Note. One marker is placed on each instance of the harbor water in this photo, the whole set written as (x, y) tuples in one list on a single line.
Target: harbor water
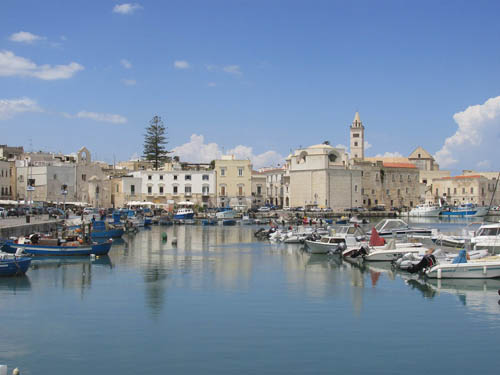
[(222, 302)]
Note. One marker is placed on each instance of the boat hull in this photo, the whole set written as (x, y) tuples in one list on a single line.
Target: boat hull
[(469, 270), (315, 247), (113, 233), (14, 266), (189, 216), (43, 250)]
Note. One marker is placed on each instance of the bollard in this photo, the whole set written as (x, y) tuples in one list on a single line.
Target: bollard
[(3, 370), (16, 371)]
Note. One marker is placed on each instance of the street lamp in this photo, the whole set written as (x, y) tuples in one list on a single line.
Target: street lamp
[(64, 192)]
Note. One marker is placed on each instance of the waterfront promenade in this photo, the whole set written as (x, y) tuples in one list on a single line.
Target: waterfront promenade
[(18, 226)]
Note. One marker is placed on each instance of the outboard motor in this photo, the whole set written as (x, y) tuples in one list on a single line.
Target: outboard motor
[(359, 253), (427, 262)]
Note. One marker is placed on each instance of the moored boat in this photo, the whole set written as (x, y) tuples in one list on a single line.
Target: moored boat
[(13, 265), (465, 210), (49, 247), (425, 210), (462, 268)]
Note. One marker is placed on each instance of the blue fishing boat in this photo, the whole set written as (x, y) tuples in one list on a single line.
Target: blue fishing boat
[(12, 265), (184, 214), (100, 229), (465, 210), (62, 249)]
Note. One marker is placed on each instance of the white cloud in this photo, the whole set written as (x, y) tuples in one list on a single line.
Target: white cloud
[(477, 134), (10, 107), (232, 69), (129, 82), (367, 145), (181, 64), (25, 37), (126, 64), (196, 151), (389, 155), (12, 65), (101, 117), (211, 84), (126, 8), (484, 164)]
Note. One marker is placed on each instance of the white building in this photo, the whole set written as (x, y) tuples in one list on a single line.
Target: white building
[(178, 185)]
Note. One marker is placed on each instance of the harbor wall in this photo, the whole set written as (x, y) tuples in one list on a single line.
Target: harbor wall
[(26, 229)]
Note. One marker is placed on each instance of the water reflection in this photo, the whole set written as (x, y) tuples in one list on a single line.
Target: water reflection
[(14, 285)]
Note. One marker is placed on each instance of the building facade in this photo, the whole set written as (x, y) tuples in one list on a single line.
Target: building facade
[(458, 190), (234, 182), (320, 177)]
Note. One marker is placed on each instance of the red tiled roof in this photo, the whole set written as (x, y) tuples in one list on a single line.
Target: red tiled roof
[(399, 165)]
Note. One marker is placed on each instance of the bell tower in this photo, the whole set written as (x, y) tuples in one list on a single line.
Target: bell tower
[(357, 146)]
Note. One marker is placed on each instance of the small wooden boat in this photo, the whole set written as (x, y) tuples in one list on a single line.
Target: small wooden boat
[(13, 265), (56, 247)]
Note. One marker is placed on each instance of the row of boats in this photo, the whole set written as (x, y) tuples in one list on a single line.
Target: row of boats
[(387, 244), (464, 210)]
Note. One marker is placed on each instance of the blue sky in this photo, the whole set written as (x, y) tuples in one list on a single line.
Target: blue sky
[(257, 78)]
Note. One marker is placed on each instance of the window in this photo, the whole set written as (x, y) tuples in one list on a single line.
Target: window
[(355, 144), (449, 191), (463, 190), (117, 188), (240, 172), (387, 192), (259, 189), (187, 177), (455, 191), (393, 178), (55, 177), (205, 189), (400, 178), (187, 190), (373, 191), (356, 188), (150, 177), (472, 190), (84, 177), (406, 190), (175, 189), (362, 191), (355, 135), (175, 177), (223, 171), (240, 191), (132, 189), (150, 189), (223, 190), (161, 189), (399, 192), (409, 178), (332, 157), (205, 177), (161, 177)]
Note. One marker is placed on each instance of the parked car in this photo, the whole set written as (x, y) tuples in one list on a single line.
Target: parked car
[(301, 209), (264, 209), (379, 207)]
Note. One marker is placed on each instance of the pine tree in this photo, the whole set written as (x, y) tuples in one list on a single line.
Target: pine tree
[(155, 142)]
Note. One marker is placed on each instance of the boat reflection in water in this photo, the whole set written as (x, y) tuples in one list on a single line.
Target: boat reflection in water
[(15, 284)]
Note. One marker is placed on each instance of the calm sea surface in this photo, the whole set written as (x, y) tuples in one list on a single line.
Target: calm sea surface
[(222, 302)]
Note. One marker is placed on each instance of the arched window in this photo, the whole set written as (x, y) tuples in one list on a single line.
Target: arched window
[(332, 157)]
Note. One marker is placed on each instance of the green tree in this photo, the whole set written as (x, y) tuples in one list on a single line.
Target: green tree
[(155, 142)]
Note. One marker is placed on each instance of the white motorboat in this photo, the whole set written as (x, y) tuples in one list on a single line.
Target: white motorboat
[(225, 214), (483, 268), (425, 210), (487, 237), (339, 239), (392, 251), (398, 227)]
